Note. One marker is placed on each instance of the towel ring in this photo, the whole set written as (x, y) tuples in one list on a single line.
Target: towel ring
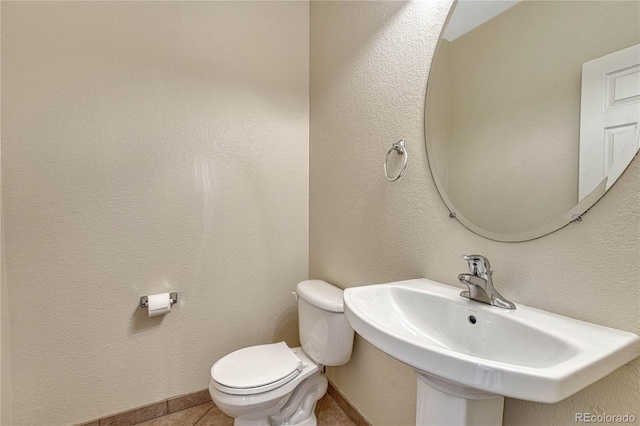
[(401, 150)]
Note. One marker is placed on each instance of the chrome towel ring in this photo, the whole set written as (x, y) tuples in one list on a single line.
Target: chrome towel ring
[(401, 150)]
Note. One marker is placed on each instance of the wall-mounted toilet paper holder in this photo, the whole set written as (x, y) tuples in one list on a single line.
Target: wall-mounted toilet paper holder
[(173, 299)]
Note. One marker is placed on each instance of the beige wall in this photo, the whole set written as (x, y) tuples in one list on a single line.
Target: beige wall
[(5, 364), (369, 67), (147, 147), (515, 108), (5, 355)]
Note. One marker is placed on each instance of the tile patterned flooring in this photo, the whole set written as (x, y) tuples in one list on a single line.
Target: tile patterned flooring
[(327, 410)]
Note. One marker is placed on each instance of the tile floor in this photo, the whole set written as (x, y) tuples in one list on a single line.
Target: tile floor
[(327, 410)]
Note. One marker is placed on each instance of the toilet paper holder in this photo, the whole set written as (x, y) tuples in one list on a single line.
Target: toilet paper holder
[(173, 299)]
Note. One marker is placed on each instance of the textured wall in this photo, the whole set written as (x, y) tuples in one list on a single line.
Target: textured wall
[(5, 364), (369, 67), (148, 146)]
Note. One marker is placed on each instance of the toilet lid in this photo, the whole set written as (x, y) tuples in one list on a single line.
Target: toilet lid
[(260, 368)]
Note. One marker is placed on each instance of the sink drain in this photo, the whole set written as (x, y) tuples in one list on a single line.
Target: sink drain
[(472, 319)]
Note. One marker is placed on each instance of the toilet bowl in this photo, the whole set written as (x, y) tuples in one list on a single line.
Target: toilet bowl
[(273, 384), (253, 404)]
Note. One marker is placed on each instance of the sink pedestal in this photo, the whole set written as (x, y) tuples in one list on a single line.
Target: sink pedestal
[(442, 402)]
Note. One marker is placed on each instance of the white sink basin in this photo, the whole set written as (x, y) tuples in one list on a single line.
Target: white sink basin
[(524, 353)]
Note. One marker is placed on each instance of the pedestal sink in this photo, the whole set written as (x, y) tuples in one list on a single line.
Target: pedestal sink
[(468, 355)]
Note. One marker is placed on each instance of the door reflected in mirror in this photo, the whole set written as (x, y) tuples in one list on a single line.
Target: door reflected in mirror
[(503, 111)]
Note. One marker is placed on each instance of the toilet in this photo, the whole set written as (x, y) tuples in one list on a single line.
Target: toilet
[(273, 384)]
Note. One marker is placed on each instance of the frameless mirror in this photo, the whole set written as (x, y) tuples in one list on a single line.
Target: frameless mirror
[(532, 111)]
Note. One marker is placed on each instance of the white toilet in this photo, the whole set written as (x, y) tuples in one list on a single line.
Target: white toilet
[(273, 384)]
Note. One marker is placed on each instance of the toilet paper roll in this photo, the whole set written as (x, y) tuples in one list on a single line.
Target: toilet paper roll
[(159, 304)]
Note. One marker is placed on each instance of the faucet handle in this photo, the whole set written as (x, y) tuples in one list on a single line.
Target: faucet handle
[(478, 265)]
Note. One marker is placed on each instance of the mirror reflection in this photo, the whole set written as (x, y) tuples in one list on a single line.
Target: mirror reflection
[(513, 148)]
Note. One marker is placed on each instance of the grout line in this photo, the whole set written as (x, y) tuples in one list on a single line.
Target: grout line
[(207, 412)]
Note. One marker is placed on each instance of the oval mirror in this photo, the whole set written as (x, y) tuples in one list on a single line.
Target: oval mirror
[(532, 111)]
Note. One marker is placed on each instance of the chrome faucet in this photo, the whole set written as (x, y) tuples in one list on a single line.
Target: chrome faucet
[(480, 283)]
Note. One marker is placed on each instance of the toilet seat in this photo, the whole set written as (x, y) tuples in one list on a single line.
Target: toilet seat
[(256, 369)]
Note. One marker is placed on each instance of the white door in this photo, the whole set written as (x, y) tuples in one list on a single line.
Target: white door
[(609, 118)]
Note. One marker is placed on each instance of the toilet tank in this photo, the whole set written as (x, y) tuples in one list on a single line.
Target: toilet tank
[(325, 334)]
